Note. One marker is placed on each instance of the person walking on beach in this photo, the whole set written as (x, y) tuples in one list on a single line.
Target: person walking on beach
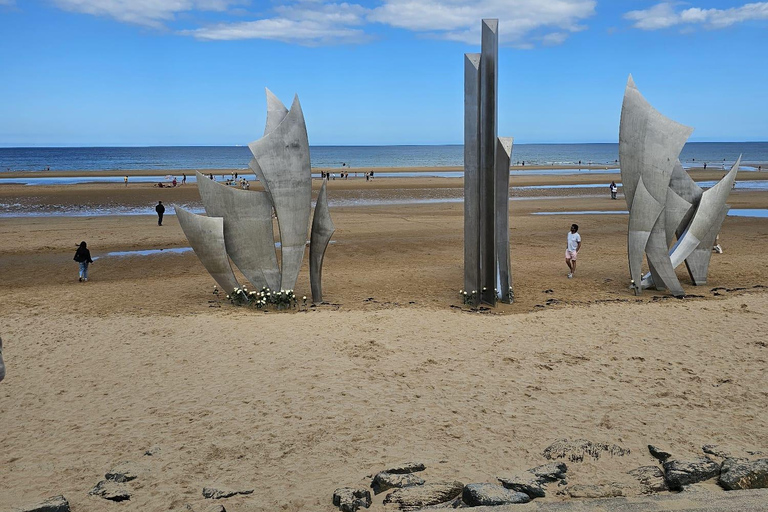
[(572, 249), (126, 181), (83, 258), (160, 209), (183, 178), (614, 190)]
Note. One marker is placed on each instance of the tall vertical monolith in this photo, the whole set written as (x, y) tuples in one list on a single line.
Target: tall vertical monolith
[(487, 275)]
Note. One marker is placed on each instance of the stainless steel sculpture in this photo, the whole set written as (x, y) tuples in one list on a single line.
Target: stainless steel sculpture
[(664, 202), (281, 163), (248, 233), (322, 230), (283, 157), (206, 236), (487, 275)]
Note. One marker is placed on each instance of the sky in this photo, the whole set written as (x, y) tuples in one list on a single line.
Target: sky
[(372, 72)]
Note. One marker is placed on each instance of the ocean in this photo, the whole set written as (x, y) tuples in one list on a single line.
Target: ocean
[(237, 157)]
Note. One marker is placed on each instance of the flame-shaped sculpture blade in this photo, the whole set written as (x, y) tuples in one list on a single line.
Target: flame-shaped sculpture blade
[(206, 236), (322, 230), (283, 157), (677, 210), (710, 206), (248, 232), (684, 186), (683, 196), (503, 271), (643, 214), (276, 112), (649, 146), (657, 254)]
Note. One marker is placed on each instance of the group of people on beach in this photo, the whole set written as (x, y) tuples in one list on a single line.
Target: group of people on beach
[(171, 181), (343, 175)]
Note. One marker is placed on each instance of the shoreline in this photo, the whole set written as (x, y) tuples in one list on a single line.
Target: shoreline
[(218, 173), (246, 170)]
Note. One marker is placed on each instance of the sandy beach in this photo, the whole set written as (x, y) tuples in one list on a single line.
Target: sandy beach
[(392, 368)]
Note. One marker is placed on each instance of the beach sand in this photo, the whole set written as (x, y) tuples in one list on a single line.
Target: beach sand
[(392, 368)]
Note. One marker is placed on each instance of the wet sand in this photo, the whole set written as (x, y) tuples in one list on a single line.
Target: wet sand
[(392, 368)]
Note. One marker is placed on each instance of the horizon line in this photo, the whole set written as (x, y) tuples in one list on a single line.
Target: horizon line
[(75, 146)]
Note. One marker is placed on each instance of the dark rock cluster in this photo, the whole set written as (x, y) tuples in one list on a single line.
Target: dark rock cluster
[(217, 494), (411, 492), (349, 499), (113, 487), (575, 450), (54, 504), (732, 473)]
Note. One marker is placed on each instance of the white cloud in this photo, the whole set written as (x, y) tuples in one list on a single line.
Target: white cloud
[(459, 20), (554, 38), (150, 13), (280, 29), (308, 23), (523, 23), (664, 15)]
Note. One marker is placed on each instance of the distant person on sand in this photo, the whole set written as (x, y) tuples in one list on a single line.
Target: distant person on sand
[(705, 166), (572, 249), (614, 190), (160, 209), (83, 257), (126, 181), (184, 179)]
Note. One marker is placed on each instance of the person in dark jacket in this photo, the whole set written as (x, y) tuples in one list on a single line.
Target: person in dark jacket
[(83, 257), (160, 209)]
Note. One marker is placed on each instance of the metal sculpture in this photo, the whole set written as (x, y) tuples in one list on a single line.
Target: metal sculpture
[(248, 231), (206, 236), (322, 230), (239, 222), (664, 203), (487, 271)]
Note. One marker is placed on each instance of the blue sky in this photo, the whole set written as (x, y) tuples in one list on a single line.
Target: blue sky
[(193, 72)]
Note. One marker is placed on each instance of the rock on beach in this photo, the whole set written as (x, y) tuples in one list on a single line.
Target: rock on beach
[(416, 497), (680, 473), (476, 495)]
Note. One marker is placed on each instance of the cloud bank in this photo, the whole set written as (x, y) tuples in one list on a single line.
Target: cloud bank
[(526, 23), (664, 15)]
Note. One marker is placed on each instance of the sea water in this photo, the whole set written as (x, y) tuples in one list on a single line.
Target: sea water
[(715, 154)]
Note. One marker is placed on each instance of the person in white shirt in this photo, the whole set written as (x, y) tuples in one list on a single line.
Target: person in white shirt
[(572, 250)]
